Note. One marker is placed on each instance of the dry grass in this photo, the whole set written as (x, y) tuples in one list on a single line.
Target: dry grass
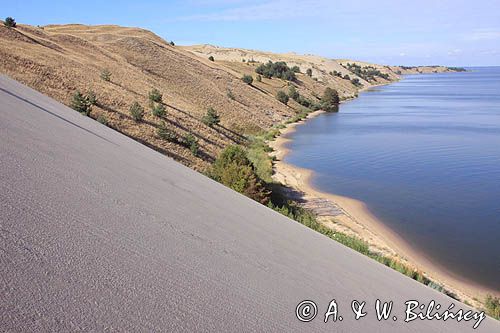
[(57, 60)]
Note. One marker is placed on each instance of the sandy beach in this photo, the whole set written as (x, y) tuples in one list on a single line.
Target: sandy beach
[(353, 217)]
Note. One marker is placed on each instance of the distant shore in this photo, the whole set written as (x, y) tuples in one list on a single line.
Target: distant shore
[(353, 217)]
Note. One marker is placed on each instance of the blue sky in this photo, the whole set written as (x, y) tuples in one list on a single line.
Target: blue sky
[(407, 32)]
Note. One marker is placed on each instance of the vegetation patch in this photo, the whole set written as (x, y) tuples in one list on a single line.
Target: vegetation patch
[(276, 69), (136, 111), (367, 73), (83, 102), (212, 118)]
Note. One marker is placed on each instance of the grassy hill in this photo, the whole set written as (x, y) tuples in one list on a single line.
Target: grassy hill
[(59, 60)]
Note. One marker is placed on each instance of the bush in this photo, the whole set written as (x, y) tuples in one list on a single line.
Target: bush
[(10, 22), (230, 95), (248, 79), (102, 119), (166, 134), (309, 72), (158, 110), (293, 93), (330, 100), (233, 169), (81, 103), (211, 118), (211, 58), (259, 78), (136, 111), (172, 43), (346, 77), (296, 69), (191, 142), (282, 97), (155, 96), (278, 69), (106, 75)]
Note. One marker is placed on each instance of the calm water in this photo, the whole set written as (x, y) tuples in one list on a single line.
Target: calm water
[(424, 155)]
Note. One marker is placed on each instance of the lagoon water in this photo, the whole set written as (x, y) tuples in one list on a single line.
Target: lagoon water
[(424, 155)]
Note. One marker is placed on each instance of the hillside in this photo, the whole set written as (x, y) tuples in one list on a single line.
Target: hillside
[(58, 60)]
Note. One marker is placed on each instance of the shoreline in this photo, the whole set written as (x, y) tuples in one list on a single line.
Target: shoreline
[(353, 217)]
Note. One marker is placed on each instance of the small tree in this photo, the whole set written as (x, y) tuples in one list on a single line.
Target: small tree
[(191, 142), (155, 96), (211, 58), (106, 75), (259, 78), (282, 97), (248, 79), (166, 134), (309, 72), (330, 100), (81, 103), (172, 43), (158, 110), (211, 118), (10, 22), (293, 93), (136, 111)]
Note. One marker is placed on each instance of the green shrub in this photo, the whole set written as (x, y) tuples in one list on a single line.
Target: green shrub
[(106, 75), (282, 97), (211, 118), (158, 110), (248, 79), (293, 93), (346, 77), (166, 134), (81, 103), (278, 69), (230, 95), (233, 169), (259, 78), (211, 58), (172, 43), (191, 142), (10, 22), (155, 96), (309, 72), (492, 306), (295, 69), (136, 111), (102, 119)]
